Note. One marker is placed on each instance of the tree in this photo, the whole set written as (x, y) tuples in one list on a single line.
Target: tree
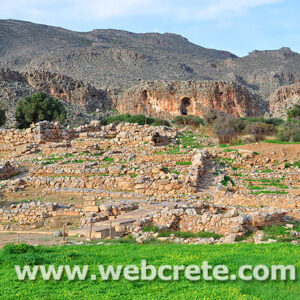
[(294, 113), (226, 127), (290, 131), (39, 107), (2, 114), (260, 130), (212, 115)]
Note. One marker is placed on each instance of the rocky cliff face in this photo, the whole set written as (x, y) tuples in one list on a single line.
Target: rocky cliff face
[(61, 87), (283, 99), (65, 88), (80, 99), (115, 58), (167, 99)]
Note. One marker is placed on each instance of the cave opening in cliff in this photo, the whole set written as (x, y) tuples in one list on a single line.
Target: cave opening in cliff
[(185, 103)]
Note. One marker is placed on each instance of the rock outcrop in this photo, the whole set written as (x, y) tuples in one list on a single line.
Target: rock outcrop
[(79, 98), (167, 99), (283, 99), (65, 88)]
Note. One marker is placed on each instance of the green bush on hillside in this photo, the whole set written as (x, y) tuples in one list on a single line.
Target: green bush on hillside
[(260, 130), (271, 121), (189, 120), (39, 107), (290, 131), (2, 114), (294, 113), (139, 119)]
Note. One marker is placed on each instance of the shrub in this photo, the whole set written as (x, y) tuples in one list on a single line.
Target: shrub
[(139, 119), (212, 115), (226, 127), (194, 121), (272, 121), (260, 130), (160, 122), (294, 113), (17, 249), (2, 114), (290, 131), (39, 107)]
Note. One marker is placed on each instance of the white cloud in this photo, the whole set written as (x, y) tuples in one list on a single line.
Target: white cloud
[(97, 10)]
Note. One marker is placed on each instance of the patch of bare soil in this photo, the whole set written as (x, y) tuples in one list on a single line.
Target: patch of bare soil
[(279, 152)]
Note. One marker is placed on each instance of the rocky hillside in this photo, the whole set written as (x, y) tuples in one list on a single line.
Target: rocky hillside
[(117, 59), (167, 99), (103, 69), (283, 99), (81, 100)]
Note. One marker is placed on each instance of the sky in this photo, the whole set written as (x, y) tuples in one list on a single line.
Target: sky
[(238, 26)]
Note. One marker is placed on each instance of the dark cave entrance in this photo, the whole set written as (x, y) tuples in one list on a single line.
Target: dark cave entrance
[(185, 103)]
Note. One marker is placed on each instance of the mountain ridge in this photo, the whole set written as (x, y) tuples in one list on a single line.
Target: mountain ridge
[(114, 61)]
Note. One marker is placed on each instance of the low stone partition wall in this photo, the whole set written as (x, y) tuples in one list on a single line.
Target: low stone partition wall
[(51, 132), (156, 135), (140, 185), (32, 212), (8, 170), (199, 164), (105, 211), (219, 220), (45, 131), (41, 132)]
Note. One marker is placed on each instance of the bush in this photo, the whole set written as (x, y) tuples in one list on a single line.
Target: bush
[(294, 113), (272, 121), (39, 107), (226, 127), (260, 130), (139, 119), (212, 115), (290, 131), (194, 121), (17, 249), (160, 122), (2, 114)]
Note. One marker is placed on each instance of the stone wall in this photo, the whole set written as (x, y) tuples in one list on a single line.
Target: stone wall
[(217, 219), (199, 165), (32, 212), (8, 170), (45, 131)]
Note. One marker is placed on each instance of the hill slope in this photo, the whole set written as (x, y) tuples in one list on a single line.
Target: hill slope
[(117, 59)]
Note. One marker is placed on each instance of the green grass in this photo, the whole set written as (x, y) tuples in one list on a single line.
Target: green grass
[(133, 175), (189, 141), (254, 187), (183, 163), (270, 192), (280, 233), (227, 179), (267, 170), (108, 159), (230, 150), (182, 234), (295, 164), (233, 256), (275, 230)]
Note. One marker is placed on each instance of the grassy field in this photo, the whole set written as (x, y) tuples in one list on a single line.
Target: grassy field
[(122, 254)]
